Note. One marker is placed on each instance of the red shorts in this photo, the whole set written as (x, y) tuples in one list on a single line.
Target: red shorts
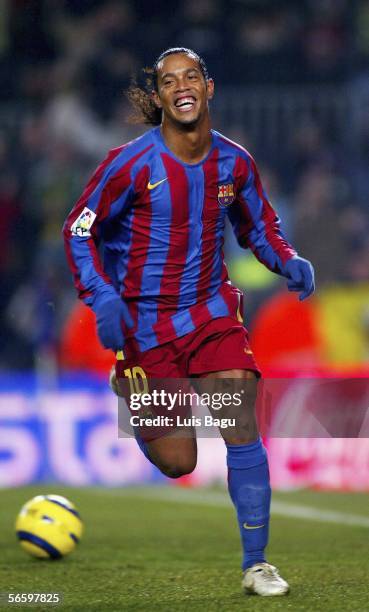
[(221, 344)]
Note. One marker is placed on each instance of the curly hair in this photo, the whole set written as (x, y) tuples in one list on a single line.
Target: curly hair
[(144, 108)]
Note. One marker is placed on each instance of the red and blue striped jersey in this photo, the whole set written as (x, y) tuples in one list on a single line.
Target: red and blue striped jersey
[(161, 223)]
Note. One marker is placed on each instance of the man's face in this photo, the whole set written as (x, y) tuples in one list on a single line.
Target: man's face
[(183, 92)]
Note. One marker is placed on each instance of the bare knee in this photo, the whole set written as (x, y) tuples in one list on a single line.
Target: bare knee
[(174, 456), (177, 467)]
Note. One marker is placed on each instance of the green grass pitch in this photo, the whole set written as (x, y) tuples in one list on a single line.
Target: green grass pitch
[(158, 549)]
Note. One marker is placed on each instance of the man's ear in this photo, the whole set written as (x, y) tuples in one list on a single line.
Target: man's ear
[(210, 88), (156, 98)]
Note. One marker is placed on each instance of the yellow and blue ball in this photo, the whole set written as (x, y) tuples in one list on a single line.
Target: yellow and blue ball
[(48, 527)]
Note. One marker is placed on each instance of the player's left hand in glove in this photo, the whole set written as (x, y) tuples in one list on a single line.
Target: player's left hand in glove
[(300, 275), (111, 314)]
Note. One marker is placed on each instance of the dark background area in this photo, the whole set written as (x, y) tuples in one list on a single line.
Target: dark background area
[(292, 85)]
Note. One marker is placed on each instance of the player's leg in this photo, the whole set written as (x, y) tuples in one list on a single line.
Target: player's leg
[(249, 484), (248, 471), (174, 454), (173, 450)]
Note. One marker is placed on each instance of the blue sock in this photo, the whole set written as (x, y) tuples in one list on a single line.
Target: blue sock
[(142, 444), (249, 488)]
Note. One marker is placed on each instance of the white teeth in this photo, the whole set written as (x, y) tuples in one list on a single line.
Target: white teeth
[(185, 102)]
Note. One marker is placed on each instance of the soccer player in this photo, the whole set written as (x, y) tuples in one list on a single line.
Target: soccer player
[(162, 293)]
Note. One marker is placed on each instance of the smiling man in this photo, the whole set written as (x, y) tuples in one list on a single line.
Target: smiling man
[(162, 297)]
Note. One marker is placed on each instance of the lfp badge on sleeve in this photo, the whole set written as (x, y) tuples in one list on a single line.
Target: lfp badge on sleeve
[(225, 194)]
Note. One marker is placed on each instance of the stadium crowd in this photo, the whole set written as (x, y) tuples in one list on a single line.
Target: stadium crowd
[(65, 65)]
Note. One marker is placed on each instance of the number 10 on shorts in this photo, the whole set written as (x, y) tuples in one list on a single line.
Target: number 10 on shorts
[(137, 379)]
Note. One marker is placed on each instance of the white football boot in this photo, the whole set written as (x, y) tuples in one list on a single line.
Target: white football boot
[(263, 579)]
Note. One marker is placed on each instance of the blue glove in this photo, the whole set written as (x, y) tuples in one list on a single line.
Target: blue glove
[(300, 273), (111, 312)]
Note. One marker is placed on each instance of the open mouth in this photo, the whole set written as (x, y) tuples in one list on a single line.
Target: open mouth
[(185, 104)]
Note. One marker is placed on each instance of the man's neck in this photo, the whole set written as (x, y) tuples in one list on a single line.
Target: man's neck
[(189, 144)]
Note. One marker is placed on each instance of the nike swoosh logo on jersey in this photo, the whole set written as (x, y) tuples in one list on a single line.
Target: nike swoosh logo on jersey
[(246, 526), (153, 185)]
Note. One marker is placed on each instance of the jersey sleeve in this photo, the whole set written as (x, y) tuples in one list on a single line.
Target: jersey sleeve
[(106, 195), (255, 223)]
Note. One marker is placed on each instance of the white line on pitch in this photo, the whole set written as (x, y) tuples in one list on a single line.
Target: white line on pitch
[(219, 499)]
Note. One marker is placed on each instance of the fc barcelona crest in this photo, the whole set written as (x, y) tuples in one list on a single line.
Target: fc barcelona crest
[(225, 194)]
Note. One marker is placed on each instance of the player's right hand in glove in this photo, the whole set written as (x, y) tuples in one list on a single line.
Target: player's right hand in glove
[(111, 314)]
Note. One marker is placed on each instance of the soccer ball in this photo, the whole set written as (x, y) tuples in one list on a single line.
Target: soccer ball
[(48, 527)]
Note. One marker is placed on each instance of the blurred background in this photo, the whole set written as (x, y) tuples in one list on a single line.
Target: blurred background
[(292, 85)]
